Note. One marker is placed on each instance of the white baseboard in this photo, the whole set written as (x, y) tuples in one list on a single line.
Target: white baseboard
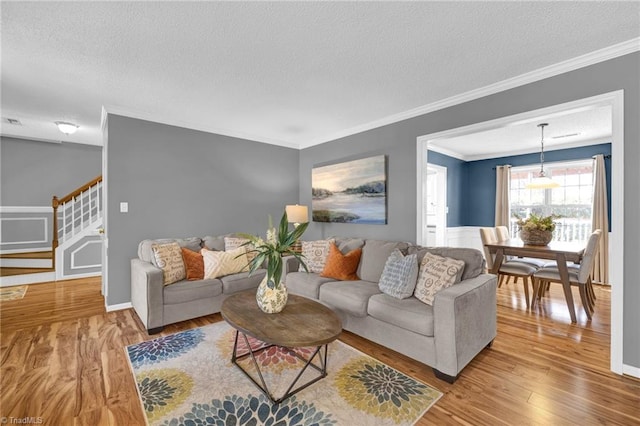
[(25, 263), (118, 307), (631, 371), (41, 277), (61, 277)]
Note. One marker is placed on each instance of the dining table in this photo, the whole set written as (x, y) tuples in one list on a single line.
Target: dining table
[(560, 251)]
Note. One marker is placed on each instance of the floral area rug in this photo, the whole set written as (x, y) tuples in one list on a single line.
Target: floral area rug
[(188, 379), (12, 293)]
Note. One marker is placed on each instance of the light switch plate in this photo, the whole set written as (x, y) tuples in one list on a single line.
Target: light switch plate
[(124, 207)]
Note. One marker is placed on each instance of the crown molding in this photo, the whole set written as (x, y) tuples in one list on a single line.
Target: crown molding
[(601, 55), (143, 115), (28, 138), (447, 152)]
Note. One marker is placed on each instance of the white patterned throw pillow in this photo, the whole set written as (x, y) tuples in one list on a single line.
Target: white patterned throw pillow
[(399, 275), (315, 254), (232, 243), (168, 257), (436, 273), (221, 263)]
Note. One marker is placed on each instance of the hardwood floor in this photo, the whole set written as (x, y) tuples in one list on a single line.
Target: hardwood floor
[(62, 360)]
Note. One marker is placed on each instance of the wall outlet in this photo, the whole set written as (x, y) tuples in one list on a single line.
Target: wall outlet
[(124, 207)]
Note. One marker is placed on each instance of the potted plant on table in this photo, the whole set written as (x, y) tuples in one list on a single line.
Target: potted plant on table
[(278, 243), (536, 230)]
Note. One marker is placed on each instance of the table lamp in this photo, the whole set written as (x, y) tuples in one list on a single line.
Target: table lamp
[(297, 214)]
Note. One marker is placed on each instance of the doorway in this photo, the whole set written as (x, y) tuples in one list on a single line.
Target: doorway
[(616, 241), (435, 207)]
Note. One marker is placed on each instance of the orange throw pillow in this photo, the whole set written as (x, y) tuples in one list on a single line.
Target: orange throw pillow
[(342, 266), (194, 264)]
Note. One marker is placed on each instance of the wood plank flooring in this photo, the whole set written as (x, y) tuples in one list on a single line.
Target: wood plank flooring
[(62, 359)]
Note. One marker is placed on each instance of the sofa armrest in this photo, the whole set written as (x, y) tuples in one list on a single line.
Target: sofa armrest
[(465, 322), (147, 295)]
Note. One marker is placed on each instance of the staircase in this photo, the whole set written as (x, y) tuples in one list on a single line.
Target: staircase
[(26, 263), (77, 223)]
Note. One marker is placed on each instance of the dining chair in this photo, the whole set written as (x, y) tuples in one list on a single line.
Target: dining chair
[(579, 275), (504, 234), (508, 268)]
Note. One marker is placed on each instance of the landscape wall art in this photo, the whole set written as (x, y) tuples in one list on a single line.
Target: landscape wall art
[(350, 192)]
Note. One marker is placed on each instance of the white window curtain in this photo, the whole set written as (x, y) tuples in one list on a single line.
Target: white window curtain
[(600, 220), (503, 182)]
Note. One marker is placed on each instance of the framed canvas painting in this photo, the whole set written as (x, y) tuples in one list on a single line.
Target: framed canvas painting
[(350, 192)]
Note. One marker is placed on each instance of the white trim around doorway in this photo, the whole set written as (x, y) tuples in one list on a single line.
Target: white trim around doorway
[(616, 263)]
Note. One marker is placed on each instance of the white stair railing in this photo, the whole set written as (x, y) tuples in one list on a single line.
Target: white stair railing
[(76, 211)]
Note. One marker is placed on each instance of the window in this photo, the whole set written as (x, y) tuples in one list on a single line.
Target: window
[(572, 200)]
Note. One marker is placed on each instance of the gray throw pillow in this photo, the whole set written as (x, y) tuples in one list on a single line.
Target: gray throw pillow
[(399, 276)]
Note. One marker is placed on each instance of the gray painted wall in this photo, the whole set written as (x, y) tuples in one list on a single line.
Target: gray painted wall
[(398, 141), (32, 172), (180, 183)]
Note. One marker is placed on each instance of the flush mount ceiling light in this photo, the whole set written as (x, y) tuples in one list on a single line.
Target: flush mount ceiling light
[(66, 127), (542, 181)]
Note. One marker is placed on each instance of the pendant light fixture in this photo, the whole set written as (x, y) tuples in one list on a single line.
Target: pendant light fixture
[(542, 181)]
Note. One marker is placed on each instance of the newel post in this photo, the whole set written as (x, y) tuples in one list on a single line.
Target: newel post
[(54, 242)]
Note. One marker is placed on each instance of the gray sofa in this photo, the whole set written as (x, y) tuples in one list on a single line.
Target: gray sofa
[(158, 305), (445, 336)]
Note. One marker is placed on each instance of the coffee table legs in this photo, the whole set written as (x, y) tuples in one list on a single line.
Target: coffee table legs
[(262, 385)]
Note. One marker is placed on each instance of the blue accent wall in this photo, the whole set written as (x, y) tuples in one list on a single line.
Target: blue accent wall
[(456, 182), (471, 185), (478, 195)]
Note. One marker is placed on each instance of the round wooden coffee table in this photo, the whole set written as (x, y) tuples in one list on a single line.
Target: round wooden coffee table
[(302, 323)]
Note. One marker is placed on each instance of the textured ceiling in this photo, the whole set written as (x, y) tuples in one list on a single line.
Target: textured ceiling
[(290, 73)]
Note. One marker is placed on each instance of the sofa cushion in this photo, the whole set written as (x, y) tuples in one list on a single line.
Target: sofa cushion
[(193, 264), (242, 281), (341, 266), (349, 296), (436, 273), (315, 254), (305, 284), (399, 276), (347, 244), (410, 314), (168, 257), (145, 252), (472, 258), (374, 256), (186, 291)]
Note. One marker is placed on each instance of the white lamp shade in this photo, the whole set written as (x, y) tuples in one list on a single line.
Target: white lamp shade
[(542, 182), (297, 213)]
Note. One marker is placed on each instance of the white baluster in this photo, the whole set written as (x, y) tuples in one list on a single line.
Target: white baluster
[(99, 193), (81, 211), (91, 204), (73, 216), (64, 221)]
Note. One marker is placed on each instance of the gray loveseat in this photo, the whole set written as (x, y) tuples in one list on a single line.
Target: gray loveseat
[(158, 305), (445, 336)]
